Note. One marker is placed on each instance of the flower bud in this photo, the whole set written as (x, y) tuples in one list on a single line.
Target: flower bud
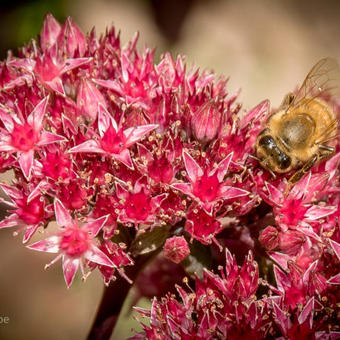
[(176, 249), (88, 99), (72, 38), (50, 32), (206, 122), (269, 238)]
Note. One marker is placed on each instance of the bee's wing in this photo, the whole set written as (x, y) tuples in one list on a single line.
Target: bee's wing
[(322, 81)]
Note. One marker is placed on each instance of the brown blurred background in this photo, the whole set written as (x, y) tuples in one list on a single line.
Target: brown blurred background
[(265, 46)]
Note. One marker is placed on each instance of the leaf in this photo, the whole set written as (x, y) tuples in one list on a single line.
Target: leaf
[(149, 241), (199, 258)]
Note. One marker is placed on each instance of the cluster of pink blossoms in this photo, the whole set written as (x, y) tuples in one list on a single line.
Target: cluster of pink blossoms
[(130, 156)]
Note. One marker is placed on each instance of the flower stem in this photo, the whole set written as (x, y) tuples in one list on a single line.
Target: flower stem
[(113, 299)]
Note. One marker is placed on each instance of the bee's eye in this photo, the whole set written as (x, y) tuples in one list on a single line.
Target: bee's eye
[(284, 161), (267, 142)]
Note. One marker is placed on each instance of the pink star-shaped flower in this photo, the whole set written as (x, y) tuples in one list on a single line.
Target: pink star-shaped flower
[(208, 187), (30, 212), (296, 209), (113, 140), (23, 136), (73, 243)]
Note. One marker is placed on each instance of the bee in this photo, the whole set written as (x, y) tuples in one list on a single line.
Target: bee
[(296, 136)]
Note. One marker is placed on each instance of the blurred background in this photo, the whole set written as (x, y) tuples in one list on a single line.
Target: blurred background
[(266, 47)]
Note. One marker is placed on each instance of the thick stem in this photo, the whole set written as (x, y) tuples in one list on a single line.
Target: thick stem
[(112, 301)]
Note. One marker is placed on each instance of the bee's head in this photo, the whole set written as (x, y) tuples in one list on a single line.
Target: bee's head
[(270, 154)]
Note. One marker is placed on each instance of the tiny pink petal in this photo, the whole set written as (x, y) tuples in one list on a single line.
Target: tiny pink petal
[(104, 120), (36, 117), (259, 112), (48, 138), (125, 158), (89, 98), (336, 248), (4, 146), (88, 146), (26, 162), (228, 192), (334, 279), (307, 312), (9, 222), (134, 134), (56, 85), (70, 267), (274, 193), (70, 64), (7, 119), (12, 192), (94, 254), (316, 212), (183, 187), (48, 245), (49, 32), (94, 227), (110, 84), (222, 167), (62, 215), (193, 169), (30, 230)]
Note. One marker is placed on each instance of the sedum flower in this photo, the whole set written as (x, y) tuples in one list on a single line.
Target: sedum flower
[(208, 187), (74, 243), (24, 136), (176, 249), (100, 137), (113, 140)]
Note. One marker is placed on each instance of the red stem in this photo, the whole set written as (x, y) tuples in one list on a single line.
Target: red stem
[(112, 301)]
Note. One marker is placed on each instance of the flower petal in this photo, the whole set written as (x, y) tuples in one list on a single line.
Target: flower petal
[(70, 267), (36, 117), (274, 193), (94, 254), (5, 146), (183, 187), (94, 227), (10, 221), (193, 169), (228, 192), (336, 248), (307, 312), (316, 212), (6, 119), (49, 245), (88, 146), (134, 134), (334, 279), (63, 217), (30, 230), (26, 163), (48, 138), (70, 64), (109, 84), (12, 192), (222, 167), (104, 120), (56, 85), (125, 158)]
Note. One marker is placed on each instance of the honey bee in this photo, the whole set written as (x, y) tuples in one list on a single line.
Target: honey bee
[(295, 137)]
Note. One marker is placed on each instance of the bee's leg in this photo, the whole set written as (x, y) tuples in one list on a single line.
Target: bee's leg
[(325, 151), (272, 173), (300, 173)]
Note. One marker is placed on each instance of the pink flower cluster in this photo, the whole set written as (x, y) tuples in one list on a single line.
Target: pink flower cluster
[(115, 147)]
